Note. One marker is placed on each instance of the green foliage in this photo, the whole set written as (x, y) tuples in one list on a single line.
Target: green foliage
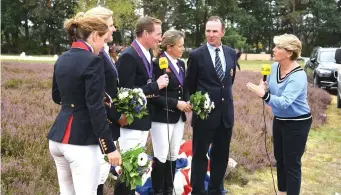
[(131, 102), (201, 104), (123, 11), (234, 39), (131, 173)]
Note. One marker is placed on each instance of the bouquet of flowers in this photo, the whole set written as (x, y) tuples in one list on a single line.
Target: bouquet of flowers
[(201, 104), (135, 162), (131, 102)]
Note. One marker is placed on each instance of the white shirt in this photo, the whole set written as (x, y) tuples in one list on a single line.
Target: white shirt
[(212, 51), (145, 52), (106, 48), (174, 61), (92, 49)]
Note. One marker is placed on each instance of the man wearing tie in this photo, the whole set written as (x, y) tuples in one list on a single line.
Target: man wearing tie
[(211, 68)]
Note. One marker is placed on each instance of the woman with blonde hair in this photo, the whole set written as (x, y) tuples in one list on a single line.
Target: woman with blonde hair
[(168, 112), (115, 118), (78, 86), (285, 91)]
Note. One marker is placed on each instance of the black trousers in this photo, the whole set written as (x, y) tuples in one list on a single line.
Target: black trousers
[(289, 139), (220, 138)]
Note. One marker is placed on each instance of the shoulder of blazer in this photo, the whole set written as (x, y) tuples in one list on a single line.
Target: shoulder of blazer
[(130, 51), (83, 56), (198, 50), (230, 50)]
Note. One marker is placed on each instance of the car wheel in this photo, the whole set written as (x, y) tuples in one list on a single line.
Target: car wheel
[(338, 99), (316, 82)]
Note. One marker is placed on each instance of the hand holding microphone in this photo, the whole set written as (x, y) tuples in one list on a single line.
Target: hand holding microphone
[(260, 89), (163, 80)]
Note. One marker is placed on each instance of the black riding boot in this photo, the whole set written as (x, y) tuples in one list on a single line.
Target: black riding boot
[(122, 189), (100, 189), (157, 176), (169, 177)]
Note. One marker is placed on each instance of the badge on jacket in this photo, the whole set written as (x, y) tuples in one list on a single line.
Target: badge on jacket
[(231, 72)]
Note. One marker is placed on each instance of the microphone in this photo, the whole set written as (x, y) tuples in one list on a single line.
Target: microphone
[(163, 64), (266, 69)]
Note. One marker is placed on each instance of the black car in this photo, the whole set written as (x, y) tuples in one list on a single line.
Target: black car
[(322, 68), (338, 60)]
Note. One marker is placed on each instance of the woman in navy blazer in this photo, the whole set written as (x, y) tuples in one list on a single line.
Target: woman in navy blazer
[(78, 86), (166, 144), (115, 118)]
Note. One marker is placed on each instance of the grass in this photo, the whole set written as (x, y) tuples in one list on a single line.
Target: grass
[(255, 65), (320, 164)]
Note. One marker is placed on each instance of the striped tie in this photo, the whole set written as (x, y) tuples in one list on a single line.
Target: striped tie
[(218, 66)]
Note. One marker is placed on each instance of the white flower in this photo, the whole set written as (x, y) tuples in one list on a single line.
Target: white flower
[(206, 96), (206, 105), (141, 94), (123, 95), (212, 105), (140, 101), (136, 90), (142, 159)]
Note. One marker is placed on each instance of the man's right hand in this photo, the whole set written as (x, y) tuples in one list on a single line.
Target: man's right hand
[(162, 81), (114, 158)]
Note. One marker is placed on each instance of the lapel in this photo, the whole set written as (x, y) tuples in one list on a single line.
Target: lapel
[(178, 75), (182, 69), (110, 62), (139, 60), (208, 61)]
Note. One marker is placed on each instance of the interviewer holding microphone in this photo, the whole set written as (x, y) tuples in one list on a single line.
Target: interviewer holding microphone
[(166, 142), (286, 94)]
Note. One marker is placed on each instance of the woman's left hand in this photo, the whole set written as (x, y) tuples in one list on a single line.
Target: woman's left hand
[(256, 89)]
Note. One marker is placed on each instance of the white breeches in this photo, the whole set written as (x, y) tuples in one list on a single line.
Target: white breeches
[(130, 138), (167, 146), (78, 168)]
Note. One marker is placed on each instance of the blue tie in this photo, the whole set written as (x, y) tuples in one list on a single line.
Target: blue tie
[(218, 66)]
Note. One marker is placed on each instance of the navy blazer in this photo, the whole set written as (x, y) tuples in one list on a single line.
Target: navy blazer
[(202, 76), (175, 92), (111, 84), (78, 85), (133, 74)]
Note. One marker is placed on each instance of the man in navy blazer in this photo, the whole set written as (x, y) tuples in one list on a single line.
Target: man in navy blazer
[(211, 68)]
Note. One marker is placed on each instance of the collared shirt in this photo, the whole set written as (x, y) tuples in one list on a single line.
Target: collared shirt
[(92, 49), (174, 61), (212, 51), (145, 52), (106, 48)]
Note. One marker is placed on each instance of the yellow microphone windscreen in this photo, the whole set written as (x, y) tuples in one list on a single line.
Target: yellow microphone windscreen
[(163, 63), (266, 69)]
